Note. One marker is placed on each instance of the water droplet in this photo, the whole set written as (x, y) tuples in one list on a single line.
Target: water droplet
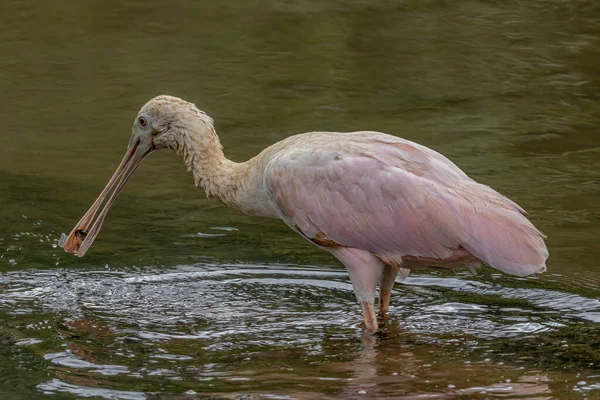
[(62, 240)]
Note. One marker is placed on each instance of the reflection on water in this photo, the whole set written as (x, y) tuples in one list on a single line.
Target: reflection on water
[(235, 328), (183, 298)]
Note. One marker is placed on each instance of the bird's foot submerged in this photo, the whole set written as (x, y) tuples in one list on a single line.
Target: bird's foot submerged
[(370, 317), (384, 302)]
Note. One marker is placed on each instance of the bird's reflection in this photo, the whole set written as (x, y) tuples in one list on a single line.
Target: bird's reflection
[(394, 364)]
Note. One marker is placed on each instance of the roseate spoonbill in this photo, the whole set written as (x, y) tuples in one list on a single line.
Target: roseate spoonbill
[(380, 204)]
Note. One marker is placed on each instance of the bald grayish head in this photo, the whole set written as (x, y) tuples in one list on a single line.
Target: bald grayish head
[(170, 122)]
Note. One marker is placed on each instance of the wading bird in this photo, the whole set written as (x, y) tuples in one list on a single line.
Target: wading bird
[(380, 204)]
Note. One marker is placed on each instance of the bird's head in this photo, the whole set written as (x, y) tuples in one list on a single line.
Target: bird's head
[(163, 122)]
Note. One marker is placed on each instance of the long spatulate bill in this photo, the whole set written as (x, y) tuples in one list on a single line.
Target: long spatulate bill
[(84, 233)]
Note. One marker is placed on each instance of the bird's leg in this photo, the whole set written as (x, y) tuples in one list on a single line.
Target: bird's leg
[(368, 310), (388, 277), (365, 271)]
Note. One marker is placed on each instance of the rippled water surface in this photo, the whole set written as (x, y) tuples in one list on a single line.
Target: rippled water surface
[(182, 298)]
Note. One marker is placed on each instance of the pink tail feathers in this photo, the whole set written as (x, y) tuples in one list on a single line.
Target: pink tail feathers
[(505, 239)]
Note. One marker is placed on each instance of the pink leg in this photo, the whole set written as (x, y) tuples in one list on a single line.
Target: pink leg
[(368, 310), (365, 271), (385, 288)]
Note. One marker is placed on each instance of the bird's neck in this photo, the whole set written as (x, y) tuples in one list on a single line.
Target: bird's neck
[(218, 176), (238, 185)]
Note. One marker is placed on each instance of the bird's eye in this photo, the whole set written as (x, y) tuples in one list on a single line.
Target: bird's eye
[(143, 122)]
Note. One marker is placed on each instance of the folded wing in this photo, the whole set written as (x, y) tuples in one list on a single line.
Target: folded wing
[(396, 198)]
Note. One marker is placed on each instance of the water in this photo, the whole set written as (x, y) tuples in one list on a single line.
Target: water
[(183, 298)]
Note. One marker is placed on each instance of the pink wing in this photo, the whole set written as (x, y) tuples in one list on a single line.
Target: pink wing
[(396, 198)]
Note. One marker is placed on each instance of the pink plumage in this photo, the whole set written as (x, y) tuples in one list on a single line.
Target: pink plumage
[(399, 200)]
